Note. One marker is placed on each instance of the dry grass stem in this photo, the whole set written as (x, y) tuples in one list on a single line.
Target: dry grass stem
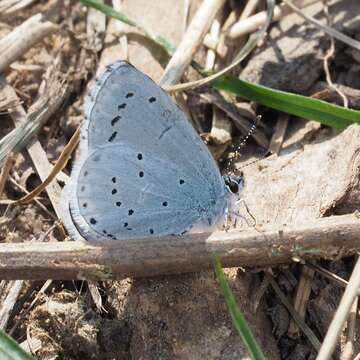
[(328, 30), (251, 24), (60, 164), (31, 345), (341, 314), (278, 136), (300, 322), (328, 274), (36, 299), (37, 201), (191, 41), (328, 56), (10, 7), (242, 119), (23, 38), (220, 46), (214, 34), (349, 346), (302, 294), (221, 126), (28, 125), (249, 8), (5, 171), (8, 304)]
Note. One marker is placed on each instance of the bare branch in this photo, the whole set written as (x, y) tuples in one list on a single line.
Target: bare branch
[(322, 238)]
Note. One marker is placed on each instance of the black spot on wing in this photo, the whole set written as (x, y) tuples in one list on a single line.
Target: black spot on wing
[(112, 137), (115, 120)]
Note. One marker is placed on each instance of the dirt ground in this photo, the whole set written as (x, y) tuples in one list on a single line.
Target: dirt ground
[(313, 172)]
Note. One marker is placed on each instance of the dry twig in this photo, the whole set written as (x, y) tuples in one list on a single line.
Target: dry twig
[(323, 238)]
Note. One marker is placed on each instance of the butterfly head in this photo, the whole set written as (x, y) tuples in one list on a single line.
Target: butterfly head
[(234, 183)]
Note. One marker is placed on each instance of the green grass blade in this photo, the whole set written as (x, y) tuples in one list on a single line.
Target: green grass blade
[(10, 349), (109, 11), (237, 316), (302, 106)]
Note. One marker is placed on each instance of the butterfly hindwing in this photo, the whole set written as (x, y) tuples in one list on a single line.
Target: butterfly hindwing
[(132, 200)]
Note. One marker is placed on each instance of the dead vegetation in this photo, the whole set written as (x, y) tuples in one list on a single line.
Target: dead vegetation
[(307, 190)]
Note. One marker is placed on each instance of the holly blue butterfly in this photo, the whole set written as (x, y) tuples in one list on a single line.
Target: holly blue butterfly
[(143, 171)]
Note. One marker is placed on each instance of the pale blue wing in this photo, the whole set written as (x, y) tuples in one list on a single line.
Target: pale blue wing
[(143, 170)]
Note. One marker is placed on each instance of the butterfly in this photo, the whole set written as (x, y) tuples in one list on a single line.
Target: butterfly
[(143, 171)]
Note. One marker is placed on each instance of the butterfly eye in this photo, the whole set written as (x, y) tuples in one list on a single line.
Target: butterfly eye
[(234, 183)]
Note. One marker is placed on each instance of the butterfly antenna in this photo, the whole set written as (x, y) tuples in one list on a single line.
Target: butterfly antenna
[(250, 132), (244, 141)]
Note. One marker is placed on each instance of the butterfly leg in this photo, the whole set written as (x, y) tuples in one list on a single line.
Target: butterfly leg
[(234, 214)]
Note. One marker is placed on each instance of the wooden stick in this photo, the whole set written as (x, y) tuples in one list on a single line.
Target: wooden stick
[(321, 238)]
